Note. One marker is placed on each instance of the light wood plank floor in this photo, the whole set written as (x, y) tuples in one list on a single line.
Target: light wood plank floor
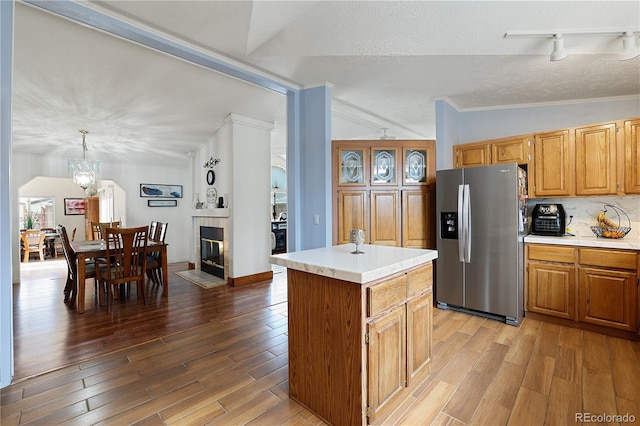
[(234, 371)]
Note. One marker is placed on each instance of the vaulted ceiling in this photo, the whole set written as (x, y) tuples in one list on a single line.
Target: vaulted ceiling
[(388, 62)]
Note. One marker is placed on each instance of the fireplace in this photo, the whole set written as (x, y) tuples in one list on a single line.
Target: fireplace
[(212, 250)]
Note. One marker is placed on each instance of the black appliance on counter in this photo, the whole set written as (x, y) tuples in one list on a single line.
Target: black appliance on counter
[(548, 219), (278, 237)]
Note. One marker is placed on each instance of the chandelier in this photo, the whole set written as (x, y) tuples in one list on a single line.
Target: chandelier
[(84, 171)]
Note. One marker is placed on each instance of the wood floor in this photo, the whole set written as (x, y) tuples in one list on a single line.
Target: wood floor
[(233, 370)]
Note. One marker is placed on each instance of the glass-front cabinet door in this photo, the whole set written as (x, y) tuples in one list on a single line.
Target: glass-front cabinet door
[(415, 166), (384, 165), (352, 170)]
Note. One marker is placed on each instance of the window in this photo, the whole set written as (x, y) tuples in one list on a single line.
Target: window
[(37, 213)]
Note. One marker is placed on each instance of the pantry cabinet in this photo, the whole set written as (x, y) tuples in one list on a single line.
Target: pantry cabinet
[(593, 286), (385, 188)]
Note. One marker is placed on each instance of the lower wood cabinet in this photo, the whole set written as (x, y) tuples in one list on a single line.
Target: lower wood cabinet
[(587, 285), (358, 351)]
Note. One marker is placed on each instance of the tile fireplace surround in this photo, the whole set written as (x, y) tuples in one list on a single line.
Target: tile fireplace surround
[(215, 218)]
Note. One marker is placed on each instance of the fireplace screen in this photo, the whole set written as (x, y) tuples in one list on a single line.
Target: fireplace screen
[(212, 251)]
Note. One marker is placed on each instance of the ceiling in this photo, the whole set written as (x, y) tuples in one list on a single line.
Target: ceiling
[(387, 62)]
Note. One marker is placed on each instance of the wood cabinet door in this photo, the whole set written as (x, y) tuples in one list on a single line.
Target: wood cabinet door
[(552, 164), (353, 213), (91, 214), (514, 150), (387, 365), (632, 156), (419, 327), (608, 298), (470, 155), (596, 160), (418, 219), (552, 290), (385, 218)]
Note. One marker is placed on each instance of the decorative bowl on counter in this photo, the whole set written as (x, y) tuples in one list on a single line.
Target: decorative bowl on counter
[(619, 232), (607, 228)]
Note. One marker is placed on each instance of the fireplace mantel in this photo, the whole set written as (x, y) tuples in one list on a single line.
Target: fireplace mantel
[(210, 212)]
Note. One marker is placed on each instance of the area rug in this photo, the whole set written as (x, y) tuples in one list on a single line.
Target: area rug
[(201, 279)]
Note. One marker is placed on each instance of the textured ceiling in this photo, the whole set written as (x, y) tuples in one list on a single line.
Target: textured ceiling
[(388, 63)]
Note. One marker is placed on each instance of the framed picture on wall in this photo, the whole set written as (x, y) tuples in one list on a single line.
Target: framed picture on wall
[(162, 203), (74, 206), (160, 190)]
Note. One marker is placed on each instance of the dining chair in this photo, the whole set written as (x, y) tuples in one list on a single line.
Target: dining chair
[(127, 251), (154, 266), (71, 288), (153, 228), (33, 242), (97, 228)]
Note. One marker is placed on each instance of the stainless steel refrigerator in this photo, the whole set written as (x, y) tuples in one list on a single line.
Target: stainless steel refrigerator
[(481, 214)]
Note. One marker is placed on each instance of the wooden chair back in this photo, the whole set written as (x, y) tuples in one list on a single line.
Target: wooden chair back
[(33, 242), (127, 257), (161, 233), (153, 229), (70, 289), (97, 229)]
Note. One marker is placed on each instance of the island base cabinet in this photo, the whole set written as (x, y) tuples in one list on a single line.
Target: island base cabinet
[(358, 351), (387, 365), (607, 298)]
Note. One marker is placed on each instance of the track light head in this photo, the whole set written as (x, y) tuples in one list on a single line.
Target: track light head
[(630, 49), (559, 52)]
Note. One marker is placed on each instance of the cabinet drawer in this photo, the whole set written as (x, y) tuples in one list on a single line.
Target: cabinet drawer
[(387, 294), (608, 258), (420, 279), (552, 253)]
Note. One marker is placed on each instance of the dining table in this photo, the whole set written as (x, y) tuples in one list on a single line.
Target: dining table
[(90, 249)]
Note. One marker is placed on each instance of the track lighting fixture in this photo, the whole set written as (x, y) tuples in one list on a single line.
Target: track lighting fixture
[(630, 47), (559, 52)]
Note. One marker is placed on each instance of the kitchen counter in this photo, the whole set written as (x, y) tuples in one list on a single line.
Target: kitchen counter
[(629, 242), (338, 262)]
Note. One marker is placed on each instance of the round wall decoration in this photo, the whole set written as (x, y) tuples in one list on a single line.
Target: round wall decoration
[(211, 177)]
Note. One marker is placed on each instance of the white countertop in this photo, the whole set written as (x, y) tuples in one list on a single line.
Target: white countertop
[(629, 242), (338, 261)]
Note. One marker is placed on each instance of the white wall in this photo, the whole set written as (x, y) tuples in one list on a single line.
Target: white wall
[(128, 177), (244, 173)]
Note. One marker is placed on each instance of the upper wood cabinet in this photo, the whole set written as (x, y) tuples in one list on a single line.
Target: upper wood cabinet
[(385, 187), (601, 159), (553, 165), (495, 151), (511, 150), (596, 160), (471, 155), (632, 156)]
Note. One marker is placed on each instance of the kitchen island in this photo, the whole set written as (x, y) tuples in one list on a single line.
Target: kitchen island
[(359, 329)]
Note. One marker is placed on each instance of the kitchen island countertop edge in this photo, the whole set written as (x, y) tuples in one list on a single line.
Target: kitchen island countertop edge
[(339, 262)]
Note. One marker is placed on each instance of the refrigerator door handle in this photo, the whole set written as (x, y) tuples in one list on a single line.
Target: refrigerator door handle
[(467, 223), (461, 220)]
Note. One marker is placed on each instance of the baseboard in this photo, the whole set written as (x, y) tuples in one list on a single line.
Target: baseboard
[(250, 279)]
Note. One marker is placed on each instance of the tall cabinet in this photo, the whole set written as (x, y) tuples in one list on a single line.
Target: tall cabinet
[(91, 214), (387, 188)]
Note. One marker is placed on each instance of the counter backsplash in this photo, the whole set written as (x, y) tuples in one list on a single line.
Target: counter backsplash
[(585, 210)]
